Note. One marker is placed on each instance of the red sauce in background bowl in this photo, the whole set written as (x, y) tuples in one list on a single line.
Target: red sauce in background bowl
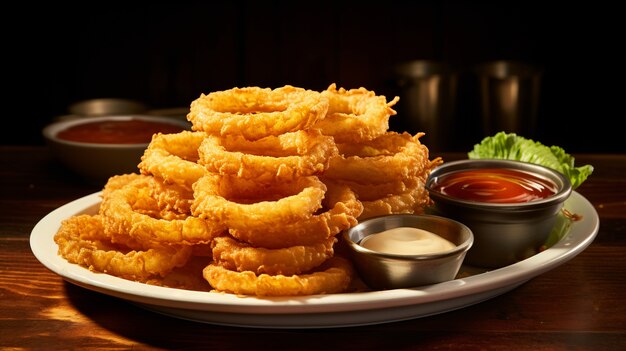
[(495, 185), (131, 131)]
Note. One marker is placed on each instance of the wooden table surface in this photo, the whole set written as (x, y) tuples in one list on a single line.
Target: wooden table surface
[(580, 305)]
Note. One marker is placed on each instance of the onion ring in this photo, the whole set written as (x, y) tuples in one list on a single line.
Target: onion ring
[(188, 277), (255, 113), (173, 200), (334, 276), (388, 158), (244, 204), (117, 182), (412, 201), (355, 115), (273, 158), (170, 201), (342, 206), (81, 240), (238, 256), (374, 191), (130, 210), (173, 158)]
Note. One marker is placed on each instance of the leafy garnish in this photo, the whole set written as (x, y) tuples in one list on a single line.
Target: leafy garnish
[(510, 146)]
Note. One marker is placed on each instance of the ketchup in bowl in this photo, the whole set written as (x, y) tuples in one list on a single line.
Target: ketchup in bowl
[(510, 206), (131, 131), (495, 185)]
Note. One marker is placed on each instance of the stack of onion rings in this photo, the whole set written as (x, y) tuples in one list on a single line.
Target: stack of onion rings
[(252, 200), (387, 173), (278, 236)]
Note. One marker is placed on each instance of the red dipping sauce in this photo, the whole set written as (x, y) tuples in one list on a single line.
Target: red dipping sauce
[(132, 131), (495, 185)]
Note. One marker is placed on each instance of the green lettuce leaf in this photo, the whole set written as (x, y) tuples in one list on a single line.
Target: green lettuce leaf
[(510, 146)]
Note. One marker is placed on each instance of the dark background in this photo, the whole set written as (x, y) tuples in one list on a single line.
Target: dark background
[(166, 54)]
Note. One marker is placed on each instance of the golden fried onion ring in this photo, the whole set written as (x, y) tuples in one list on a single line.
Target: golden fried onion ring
[(238, 256), (173, 158), (170, 201), (187, 277), (273, 158), (411, 201), (375, 191), (388, 158), (117, 182), (133, 211), (81, 240), (244, 204), (355, 115), (342, 209), (255, 113), (333, 276)]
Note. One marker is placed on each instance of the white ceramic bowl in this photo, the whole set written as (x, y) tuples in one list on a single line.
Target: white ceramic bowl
[(96, 162)]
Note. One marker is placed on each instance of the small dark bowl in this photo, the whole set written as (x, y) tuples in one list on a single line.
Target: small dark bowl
[(504, 233), (390, 271)]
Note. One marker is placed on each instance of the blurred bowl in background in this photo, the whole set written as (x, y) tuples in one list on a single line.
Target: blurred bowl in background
[(510, 206), (107, 107), (99, 147)]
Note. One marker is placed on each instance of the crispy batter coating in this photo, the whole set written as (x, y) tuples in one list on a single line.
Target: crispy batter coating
[(271, 159), (413, 200), (388, 158), (242, 204), (334, 276), (240, 256), (255, 113), (355, 115), (81, 240), (132, 210), (340, 211), (174, 157)]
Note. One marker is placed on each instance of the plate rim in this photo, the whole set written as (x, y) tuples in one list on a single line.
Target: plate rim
[(282, 311)]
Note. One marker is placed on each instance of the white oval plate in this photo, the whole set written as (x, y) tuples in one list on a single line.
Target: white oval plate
[(320, 311)]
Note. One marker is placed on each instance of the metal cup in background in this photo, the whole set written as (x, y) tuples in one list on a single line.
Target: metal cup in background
[(427, 100), (509, 93)]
